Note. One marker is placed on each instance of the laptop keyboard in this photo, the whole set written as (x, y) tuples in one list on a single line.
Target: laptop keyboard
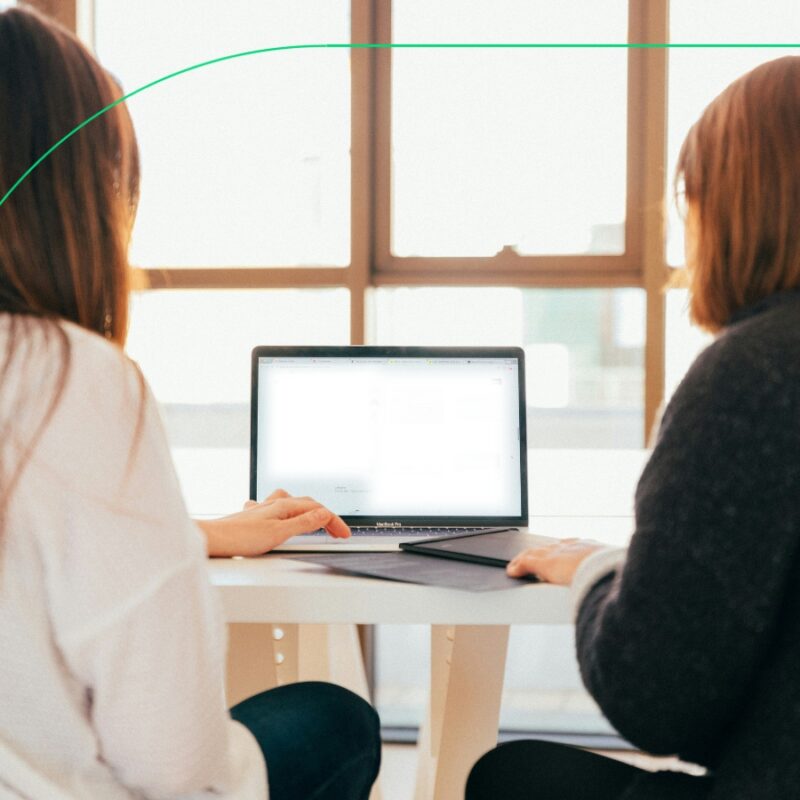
[(407, 532)]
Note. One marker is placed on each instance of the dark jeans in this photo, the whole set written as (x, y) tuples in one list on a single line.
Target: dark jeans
[(532, 770), (320, 741)]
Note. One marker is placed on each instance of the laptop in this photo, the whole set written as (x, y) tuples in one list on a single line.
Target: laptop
[(403, 443)]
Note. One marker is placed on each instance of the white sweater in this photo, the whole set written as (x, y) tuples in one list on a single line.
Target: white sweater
[(112, 647)]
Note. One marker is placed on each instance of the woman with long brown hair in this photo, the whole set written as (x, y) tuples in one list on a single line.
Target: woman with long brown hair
[(111, 643), (690, 641)]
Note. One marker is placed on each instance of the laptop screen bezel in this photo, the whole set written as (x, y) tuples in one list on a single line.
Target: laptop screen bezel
[(371, 351)]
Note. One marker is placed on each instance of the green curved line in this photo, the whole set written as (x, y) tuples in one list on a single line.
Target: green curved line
[(373, 46)]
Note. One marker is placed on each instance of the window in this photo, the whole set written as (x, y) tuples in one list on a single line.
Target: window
[(245, 162), (486, 153)]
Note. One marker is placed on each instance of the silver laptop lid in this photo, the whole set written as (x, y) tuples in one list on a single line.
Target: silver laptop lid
[(393, 436)]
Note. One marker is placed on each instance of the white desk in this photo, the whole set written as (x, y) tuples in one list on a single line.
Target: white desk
[(276, 589), (295, 621)]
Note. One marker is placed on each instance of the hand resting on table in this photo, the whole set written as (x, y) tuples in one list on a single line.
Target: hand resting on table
[(553, 563)]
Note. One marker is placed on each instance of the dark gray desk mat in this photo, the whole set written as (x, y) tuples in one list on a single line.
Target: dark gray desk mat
[(415, 568)]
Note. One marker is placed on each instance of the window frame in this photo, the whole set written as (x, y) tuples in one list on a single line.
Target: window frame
[(642, 265)]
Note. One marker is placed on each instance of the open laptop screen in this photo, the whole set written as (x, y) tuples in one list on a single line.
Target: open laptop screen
[(393, 433)]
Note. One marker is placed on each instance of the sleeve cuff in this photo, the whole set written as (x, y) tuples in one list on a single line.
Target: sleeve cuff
[(591, 570)]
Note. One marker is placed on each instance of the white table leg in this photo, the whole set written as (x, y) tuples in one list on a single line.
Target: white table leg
[(467, 669)]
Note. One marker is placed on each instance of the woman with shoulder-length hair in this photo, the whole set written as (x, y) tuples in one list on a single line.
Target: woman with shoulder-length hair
[(690, 641), (112, 647)]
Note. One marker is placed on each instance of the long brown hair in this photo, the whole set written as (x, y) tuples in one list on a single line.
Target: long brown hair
[(64, 231), (740, 166)]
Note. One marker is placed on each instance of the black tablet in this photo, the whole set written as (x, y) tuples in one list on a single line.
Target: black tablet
[(496, 548)]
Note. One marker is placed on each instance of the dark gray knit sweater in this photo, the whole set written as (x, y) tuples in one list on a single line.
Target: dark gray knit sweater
[(694, 647)]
